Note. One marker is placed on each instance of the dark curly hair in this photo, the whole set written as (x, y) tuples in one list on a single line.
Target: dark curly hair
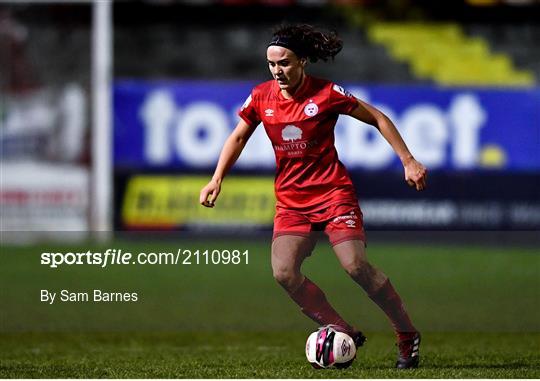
[(307, 42)]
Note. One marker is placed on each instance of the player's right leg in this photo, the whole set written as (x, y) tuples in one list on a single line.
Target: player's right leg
[(288, 253)]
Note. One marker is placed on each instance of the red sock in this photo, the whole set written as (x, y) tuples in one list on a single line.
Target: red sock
[(390, 302), (313, 304)]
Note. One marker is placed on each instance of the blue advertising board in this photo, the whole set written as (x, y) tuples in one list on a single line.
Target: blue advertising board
[(183, 125)]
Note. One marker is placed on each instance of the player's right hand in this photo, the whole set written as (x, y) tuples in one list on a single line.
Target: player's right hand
[(211, 190)]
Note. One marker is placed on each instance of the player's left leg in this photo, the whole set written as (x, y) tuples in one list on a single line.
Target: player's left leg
[(353, 258), (346, 232)]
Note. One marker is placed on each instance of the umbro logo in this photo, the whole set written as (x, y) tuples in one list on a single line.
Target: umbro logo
[(269, 112), (345, 348)]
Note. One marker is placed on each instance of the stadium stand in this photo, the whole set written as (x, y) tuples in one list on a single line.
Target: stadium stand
[(518, 41), (44, 29), (197, 45), (442, 52), (178, 40)]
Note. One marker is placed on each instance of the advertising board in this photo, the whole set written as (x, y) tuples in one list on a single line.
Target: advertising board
[(183, 125)]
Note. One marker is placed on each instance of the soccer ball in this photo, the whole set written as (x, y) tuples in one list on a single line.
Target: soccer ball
[(330, 346)]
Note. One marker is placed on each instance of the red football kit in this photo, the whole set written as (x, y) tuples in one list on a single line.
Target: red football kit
[(313, 189)]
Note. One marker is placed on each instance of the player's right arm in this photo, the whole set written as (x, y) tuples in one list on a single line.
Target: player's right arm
[(230, 152)]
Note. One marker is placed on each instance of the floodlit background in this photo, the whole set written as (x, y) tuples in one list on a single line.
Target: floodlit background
[(112, 117)]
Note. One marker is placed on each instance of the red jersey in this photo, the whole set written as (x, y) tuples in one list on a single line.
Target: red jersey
[(309, 175)]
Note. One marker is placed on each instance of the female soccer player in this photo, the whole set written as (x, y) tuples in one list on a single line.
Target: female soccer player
[(313, 189)]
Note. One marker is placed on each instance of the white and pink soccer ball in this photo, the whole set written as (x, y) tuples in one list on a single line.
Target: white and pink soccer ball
[(329, 347)]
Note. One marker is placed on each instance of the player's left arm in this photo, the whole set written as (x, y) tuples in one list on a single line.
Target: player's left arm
[(415, 172)]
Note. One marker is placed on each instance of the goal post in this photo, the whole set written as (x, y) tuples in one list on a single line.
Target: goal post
[(102, 177)]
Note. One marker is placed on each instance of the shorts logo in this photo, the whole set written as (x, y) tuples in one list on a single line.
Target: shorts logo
[(269, 112), (311, 108), (348, 219), (291, 133)]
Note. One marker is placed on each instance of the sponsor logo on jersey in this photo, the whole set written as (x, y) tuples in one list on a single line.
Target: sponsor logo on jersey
[(311, 109), (269, 112), (293, 146), (246, 103), (296, 146), (291, 133)]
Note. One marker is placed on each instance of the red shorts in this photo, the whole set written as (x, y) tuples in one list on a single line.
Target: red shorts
[(340, 222)]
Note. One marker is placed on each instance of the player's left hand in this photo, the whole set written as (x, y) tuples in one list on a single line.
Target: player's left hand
[(415, 174)]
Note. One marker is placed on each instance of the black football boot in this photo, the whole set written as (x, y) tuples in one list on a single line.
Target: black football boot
[(409, 353)]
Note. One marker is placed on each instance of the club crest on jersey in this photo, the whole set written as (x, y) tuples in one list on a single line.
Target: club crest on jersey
[(311, 109), (291, 133)]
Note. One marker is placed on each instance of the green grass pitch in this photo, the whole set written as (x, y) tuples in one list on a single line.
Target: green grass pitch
[(478, 308)]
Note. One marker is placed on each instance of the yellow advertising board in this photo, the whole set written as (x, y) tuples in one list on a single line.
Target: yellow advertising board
[(155, 201)]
